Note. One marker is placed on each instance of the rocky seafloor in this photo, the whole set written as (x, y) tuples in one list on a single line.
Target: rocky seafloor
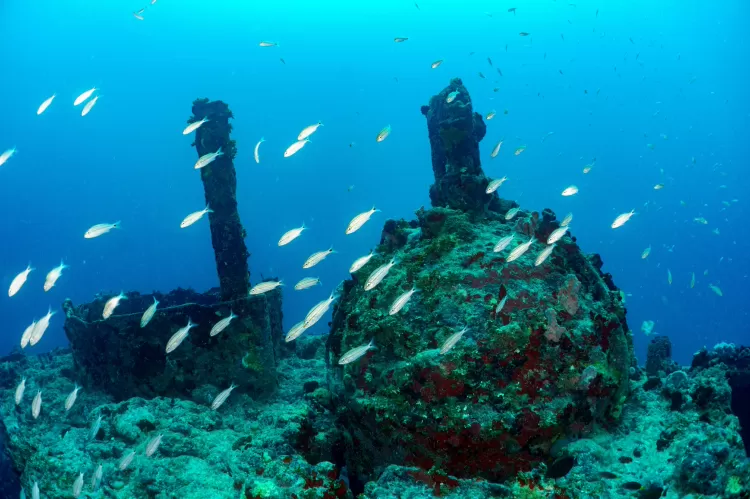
[(539, 397), (676, 436)]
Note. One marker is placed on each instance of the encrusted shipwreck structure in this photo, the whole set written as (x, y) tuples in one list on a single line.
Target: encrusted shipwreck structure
[(122, 358), (547, 350)]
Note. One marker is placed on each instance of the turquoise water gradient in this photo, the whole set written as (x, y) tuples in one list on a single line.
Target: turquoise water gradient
[(128, 160)]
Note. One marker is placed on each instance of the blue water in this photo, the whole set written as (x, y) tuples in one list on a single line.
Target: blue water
[(127, 160)]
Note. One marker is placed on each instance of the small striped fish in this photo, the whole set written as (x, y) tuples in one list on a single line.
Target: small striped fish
[(401, 301), (356, 353), (545, 253), (307, 282), (378, 275), (511, 213), (149, 313), (495, 185), (296, 331), (452, 340), (36, 405), (222, 397), (265, 287), (504, 243), (360, 262), (153, 445), (519, 250), (318, 310), (358, 221), (557, 234), (316, 258), (125, 461), (222, 324), (291, 235), (179, 337)]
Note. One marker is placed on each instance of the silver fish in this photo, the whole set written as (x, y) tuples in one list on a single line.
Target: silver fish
[(179, 337), (356, 353), (78, 485), (36, 405), (503, 243), (153, 445), (511, 213), (495, 185), (43, 107), (19, 390), (100, 229), (194, 126), (95, 428), (89, 106), (207, 159), (360, 262), (53, 275), (401, 301), (307, 282), (71, 398), (35, 491), (19, 281), (501, 305), (544, 254), (378, 275), (222, 324), (27, 334), (318, 310), (265, 287), (557, 234), (256, 151), (149, 313), (126, 460), (97, 478), (568, 218), (316, 258), (519, 250), (194, 217), (112, 304), (294, 148), (291, 235), (309, 130), (296, 331), (222, 397), (358, 221), (40, 328), (452, 340), (85, 95)]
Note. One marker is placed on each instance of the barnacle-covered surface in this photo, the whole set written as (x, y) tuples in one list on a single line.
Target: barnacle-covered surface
[(120, 357)]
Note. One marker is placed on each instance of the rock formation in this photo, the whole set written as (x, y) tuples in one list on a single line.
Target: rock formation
[(120, 357), (547, 350)]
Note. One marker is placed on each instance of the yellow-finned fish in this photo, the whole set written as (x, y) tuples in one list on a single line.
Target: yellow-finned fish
[(716, 289), (452, 96), (36, 404), (72, 396), (436, 64), (490, 115), (519, 150), (570, 191), (26, 336), (658, 187), (268, 44), (19, 391), (194, 126), (669, 277), (692, 280), (6, 155), (309, 130), (358, 221), (383, 134), (294, 148), (40, 328), (646, 252)]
